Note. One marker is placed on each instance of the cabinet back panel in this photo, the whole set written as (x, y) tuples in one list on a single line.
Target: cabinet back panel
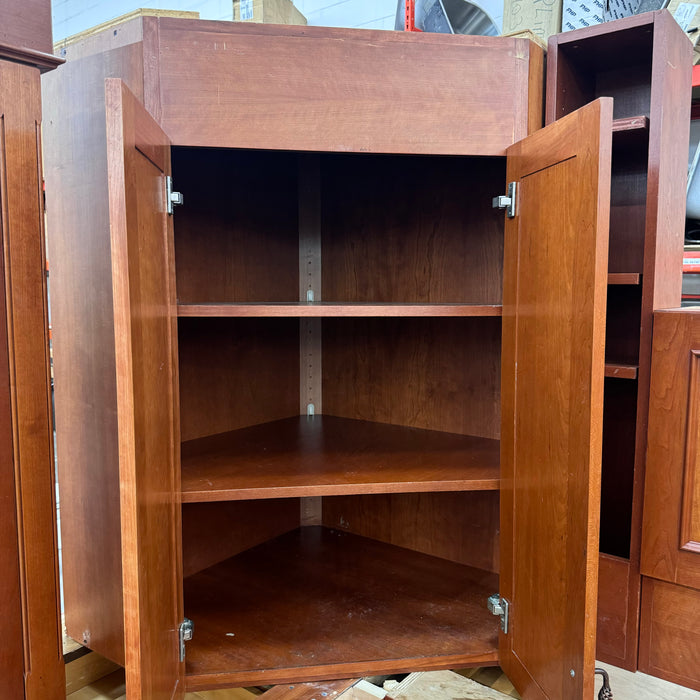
[(236, 372), (628, 195), (461, 527), (438, 374), (623, 323), (614, 65), (213, 532), (619, 435), (236, 236), (412, 229)]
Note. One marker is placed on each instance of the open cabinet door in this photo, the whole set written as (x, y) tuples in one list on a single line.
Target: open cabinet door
[(555, 269), (147, 409)]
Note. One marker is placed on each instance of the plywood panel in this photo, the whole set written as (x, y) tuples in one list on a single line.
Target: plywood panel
[(408, 233), (237, 372), (439, 374)]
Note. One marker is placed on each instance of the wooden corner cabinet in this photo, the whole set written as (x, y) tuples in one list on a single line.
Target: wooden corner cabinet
[(334, 400), (30, 649), (644, 64)]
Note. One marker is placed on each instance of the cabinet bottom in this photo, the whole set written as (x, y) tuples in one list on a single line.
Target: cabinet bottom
[(318, 603)]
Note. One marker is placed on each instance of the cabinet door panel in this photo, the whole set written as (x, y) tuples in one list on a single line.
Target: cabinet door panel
[(556, 251), (671, 527), (145, 351)]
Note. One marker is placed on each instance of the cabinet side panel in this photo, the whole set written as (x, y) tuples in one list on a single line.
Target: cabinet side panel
[(83, 338)]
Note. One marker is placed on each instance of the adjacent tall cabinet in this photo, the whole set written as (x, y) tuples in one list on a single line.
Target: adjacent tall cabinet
[(30, 649), (311, 397)]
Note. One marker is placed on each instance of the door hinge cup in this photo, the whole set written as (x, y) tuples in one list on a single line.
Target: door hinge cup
[(500, 607), (185, 633), (507, 202)]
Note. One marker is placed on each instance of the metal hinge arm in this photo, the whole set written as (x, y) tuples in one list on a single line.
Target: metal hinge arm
[(185, 633), (500, 607), (507, 202), (172, 198)]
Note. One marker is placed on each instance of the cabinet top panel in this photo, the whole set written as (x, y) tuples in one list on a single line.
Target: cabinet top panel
[(325, 89)]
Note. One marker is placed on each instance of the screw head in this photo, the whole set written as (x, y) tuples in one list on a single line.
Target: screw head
[(572, 672)]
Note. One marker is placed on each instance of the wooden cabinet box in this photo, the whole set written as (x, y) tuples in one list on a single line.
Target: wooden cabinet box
[(300, 409)]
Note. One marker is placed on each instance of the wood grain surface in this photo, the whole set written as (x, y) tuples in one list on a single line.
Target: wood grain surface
[(671, 527), (409, 233), (30, 467), (669, 641), (325, 456), (459, 526), (75, 160), (147, 395), (553, 326), (437, 374), (26, 25), (282, 70), (398, 610)]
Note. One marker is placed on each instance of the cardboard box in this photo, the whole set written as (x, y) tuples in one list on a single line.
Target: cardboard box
[(582, 13), (687, 14), (542, 17), (267, 12), (617, 9)]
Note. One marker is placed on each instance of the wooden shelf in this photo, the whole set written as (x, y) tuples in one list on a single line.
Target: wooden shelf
[(318, 603), (627, 124), (325, 456), (328, 309), (632, 278), (630, 132), (621, 371)]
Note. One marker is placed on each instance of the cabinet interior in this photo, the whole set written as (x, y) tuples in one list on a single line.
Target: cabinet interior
[(339, 341)]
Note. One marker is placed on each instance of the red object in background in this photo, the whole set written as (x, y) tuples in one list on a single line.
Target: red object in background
[(691, 276), (410, 24)]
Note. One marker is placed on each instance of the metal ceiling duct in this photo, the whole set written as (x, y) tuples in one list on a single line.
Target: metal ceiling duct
[(449, 17)]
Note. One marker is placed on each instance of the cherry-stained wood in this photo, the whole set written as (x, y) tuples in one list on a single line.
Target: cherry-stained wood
[(613, 605), (325, 456), (218, 359), (624, 278), (272, 614), (669, 637), (408, 233), (236, 237), (459, 526), (671, 527), (212, 532), (75, 161), (11, 642), (553, 329), (437, 374), (25, 398), (644, 63), (147, 395), (620, 371), (484, 77), (305, 309), (26, 25)]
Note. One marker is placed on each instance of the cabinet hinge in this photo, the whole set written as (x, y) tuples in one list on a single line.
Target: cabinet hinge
[(186, 632), (501, 607), (172, 198), (507, 202)]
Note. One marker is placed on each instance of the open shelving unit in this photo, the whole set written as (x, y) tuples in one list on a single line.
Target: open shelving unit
[(339, 370), (641, 63)]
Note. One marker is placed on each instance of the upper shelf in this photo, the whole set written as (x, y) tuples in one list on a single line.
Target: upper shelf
[(331, 309), (326, 455), (630, 132)]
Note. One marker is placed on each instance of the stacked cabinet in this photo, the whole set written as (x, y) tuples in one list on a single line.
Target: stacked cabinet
[(643, 62), (30, 650), (334, 400)]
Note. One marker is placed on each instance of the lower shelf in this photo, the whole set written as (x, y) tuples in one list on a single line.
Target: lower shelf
[(317, 603)]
